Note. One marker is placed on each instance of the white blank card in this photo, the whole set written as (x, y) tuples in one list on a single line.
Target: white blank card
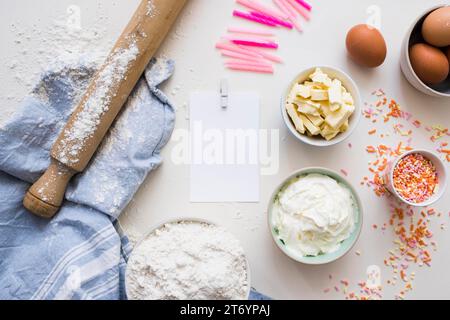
[(224, 148)]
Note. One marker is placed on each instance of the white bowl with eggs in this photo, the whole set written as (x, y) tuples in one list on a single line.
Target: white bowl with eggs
[(348, 84), (414, 36), (315, 216)]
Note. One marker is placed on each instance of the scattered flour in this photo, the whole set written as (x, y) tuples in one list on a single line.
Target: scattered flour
[(97, 104), (54, 47), (188, 261), (151, 10)]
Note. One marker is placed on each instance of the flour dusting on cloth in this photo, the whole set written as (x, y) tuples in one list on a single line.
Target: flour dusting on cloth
[(97, 104)]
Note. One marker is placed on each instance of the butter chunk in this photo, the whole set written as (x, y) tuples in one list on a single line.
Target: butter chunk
[(335, 107), (316, 120), (325, 109), (316, 105), (331, 136), (347, 98), (335, 92), (302, 91), (320, 77), (312, 129), (298, 123), (306, 108), (328, 133), (319, 95), (344, 127), (338, 118), (327, 130), (291, 97)]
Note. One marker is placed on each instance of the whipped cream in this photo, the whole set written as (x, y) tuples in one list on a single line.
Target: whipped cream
[(313, 215)]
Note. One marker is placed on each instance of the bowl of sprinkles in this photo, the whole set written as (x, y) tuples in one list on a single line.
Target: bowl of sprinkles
[(417, 178)]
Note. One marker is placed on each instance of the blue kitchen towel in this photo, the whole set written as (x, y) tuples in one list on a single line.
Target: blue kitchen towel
[(79, 254)]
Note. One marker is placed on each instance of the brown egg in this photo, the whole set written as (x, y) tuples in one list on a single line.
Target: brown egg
[(436, 27), (448, 54), (366, 46), (429, 63)]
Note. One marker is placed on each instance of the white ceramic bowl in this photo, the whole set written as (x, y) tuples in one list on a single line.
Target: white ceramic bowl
[(345, 246), (413, 36), (441, 171), (348, 83), (173, 221)]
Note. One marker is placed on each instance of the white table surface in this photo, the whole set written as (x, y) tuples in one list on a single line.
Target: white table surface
[(165, 194)]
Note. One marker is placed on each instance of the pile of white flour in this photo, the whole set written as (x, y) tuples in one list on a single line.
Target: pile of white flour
[(188, 261)]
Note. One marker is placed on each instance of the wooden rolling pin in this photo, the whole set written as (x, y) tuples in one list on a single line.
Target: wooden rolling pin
[(102, 102)]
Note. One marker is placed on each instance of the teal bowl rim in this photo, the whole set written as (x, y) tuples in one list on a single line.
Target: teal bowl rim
[(346, 246)]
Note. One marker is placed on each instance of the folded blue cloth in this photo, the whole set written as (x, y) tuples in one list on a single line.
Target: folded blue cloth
[(79, 254)]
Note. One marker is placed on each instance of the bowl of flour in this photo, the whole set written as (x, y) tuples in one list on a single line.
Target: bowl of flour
[(188, 259)]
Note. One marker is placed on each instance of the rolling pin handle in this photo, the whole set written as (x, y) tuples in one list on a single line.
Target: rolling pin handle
[(46, 196)]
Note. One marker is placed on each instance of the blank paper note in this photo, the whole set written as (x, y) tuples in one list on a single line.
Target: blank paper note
[(224, 148)]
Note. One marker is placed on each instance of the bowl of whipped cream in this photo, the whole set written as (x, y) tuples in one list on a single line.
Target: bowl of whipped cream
[(315, 216)]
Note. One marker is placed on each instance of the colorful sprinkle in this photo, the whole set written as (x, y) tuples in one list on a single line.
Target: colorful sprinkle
[(415, 178)]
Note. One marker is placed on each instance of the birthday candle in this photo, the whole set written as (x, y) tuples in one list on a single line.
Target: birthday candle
[(305, 4), (247, 38), (248, 63), (268, 45), (237, 49), (282, 5), (292, 12), (300, 9), (265, 55), (253, 5), (272, 19), (249, 17), (232, 54), (239, 67), (250, 31)]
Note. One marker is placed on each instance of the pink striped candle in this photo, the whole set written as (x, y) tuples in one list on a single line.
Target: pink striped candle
[(232, 37), (305, 4), (249, 17), (237, 49), (303, 12), (272, 19), (251, 31), (268, 45), (253, 5), (282, 5), (292, 12), (236, 55), (264, 54), (248, 63), (238, 67)]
